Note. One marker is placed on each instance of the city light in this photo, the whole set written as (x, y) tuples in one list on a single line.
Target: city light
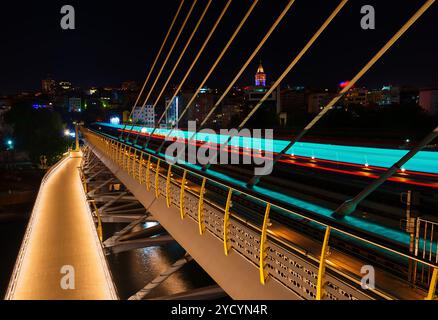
[(344, 84), (115, 120), (69, 133)]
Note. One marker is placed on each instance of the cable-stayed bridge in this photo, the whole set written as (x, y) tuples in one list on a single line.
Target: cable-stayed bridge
[(252, 236)]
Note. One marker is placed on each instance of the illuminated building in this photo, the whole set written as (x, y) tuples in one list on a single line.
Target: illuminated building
[(356, 96), (172, 114), (65, 85), (317, 101), (391, 96), (75, 105), (260, 77), (48, 86), (144, 116)]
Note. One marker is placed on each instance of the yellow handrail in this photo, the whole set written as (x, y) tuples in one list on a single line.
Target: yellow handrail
[(322, 263), (169, 177), (433, 285), (264, 274), (157, 179), (148, 174), (181, 196), (201, 208), (227, 245)]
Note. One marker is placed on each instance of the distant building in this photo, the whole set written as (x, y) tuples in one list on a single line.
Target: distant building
[(65, 85), (144, 116), (172, 114), (5, 107), (48, 86), (391, 96), (317, 101), (375, 97), (233, 108), (292, 104), (356, 96), (429, 100), (130, 86), (201, 106), (260, 77), (409, 96), (75, 105)]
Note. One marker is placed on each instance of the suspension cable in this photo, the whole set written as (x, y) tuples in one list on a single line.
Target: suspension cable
[(182, 54), (201, 50), (236, 32), (158, 55), (156, 60), (286, 72), (237, 77), (168, 56), (256, 179)]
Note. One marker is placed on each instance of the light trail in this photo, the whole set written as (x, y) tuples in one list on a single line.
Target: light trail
[(288, 69), (256, 179)]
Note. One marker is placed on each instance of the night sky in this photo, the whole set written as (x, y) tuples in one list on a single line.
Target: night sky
[(115, 41)]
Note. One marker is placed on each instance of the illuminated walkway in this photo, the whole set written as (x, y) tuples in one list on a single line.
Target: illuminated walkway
[(61, 233)]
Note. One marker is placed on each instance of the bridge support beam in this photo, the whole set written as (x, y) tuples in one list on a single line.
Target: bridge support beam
[(124, 246), (161, 278), (236, 275)]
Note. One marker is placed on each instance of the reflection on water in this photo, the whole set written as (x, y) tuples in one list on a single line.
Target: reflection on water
[(11, 235), (133, 270)]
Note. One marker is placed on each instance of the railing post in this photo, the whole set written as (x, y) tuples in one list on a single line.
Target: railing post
[(139, 169), (114, 151), (182, 208), (134, 162), (99, 221), (128, 161), (148, 174), (433, 285), (168, 180), (157, 179), (264, 274), (227, 246), (201, 223), (322, 263), (120, 154)]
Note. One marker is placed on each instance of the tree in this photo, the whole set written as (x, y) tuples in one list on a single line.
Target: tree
[(37, 132)]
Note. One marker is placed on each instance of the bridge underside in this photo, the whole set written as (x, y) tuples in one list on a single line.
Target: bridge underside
[(236, 276)]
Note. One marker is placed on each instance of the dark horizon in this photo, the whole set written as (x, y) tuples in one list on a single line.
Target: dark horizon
[(116, 42)]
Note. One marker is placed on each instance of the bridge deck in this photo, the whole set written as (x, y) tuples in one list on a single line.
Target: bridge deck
[(61, 233)]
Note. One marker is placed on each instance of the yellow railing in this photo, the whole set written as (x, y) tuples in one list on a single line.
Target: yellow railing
[(120, 154)]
